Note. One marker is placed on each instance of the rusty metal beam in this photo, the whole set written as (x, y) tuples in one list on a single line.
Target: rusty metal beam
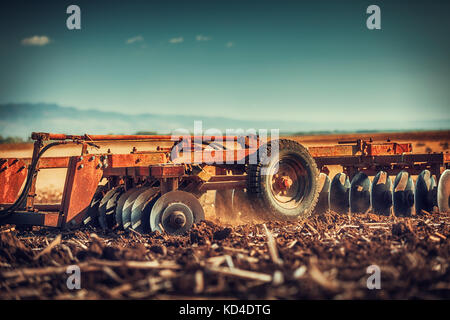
[(83, 177), (382, 160), (53, 162), (38, 206), (220, 178), (168, 184), (86, 137), (221, 185), (212, 157), (360, 147), (167, 171), (135, 159), (46, 207), (12, 176), (33, 218)]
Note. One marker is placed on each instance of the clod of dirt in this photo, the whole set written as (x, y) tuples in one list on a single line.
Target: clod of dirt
[(222, 234), (339, 247), (159, 249), (137, 252), (374, 217), (401, 230), (111, 253), (12, 250), (203, 232), (96, 248)]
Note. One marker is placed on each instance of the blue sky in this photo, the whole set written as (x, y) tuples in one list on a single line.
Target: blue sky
[(241, 59)]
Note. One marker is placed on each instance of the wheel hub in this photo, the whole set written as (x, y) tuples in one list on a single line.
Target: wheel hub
[(175, 212), (282, 183), (177, 219), (286, 182)]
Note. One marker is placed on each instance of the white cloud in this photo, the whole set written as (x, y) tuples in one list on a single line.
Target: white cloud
[(202, 38), (229, 44), (36, 41), (176, 40), (135, 39)]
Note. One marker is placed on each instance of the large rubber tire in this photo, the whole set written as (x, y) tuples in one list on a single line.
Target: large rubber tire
[(259, 182)]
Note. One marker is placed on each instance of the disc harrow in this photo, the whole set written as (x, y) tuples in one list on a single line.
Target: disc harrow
[(381, 194), (159, 189)]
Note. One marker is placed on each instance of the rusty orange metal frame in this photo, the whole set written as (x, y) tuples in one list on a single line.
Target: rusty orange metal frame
[(370, 158), (83, 177), (12, 176), (360, 147), (85, 172)]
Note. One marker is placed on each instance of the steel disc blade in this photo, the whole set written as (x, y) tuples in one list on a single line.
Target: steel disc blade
[(166, 218), (324, 187), (425, 192), (102, 208), (140, 212), (120, 203), (128, 206), (434, 193), (338, 198), (403, 194), (360, 193), (171, 198), (381, 194), (91, 217), (111, 207), (443, 192)]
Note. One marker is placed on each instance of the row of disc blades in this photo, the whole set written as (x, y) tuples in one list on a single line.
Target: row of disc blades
[(143, 209), (383, 194)]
